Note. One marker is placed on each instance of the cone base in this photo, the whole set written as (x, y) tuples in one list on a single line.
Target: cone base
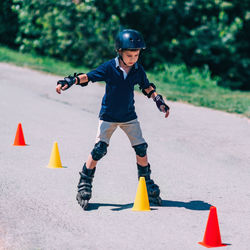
[(138, 209), (49, 166), (20, 145), (209, 246)]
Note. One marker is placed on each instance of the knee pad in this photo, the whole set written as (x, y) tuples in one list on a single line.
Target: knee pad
[(141, 149), (100, 149)]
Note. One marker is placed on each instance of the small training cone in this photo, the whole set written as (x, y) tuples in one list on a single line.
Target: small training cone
[(55, 161), (141, 200), (19, 139), (212, 236)]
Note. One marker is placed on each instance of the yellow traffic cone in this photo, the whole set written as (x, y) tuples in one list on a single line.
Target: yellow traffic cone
[(55, 161), (141, 200)]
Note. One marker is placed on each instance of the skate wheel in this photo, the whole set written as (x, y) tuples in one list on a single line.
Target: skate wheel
[(159, 201), (83, 203), (156, 201)]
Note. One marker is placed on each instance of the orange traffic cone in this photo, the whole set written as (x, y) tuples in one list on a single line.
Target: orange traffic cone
[(19, 139), (212, 236)]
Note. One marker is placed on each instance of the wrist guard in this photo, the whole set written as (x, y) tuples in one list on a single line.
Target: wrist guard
[(160, 102), (151, 92), (70, 80)]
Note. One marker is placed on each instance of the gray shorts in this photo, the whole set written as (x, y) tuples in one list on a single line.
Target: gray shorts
[(131, 128)]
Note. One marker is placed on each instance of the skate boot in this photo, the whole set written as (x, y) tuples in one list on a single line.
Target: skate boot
[(85, 186), (152, 189)]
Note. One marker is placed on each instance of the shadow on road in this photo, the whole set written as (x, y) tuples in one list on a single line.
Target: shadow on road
[(118, 207), (192, 205)]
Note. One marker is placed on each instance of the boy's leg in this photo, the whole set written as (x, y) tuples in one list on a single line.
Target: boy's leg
[(84, 186), (144, 171), (90, 163), (104, 132), (134, 133), (152, 188), (143, 161)]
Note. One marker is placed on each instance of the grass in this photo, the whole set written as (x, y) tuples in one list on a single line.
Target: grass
[(175, 82), (41, 63), (197, 87)]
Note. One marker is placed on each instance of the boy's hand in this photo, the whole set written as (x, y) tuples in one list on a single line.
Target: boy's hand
[(61, 86), (80, 79), (161, 105), (66, 83)]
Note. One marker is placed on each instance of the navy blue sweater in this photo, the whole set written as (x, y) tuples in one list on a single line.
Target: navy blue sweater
[(118, 100)]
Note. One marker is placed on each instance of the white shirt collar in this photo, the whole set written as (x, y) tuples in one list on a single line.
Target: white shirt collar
[(117, 62)]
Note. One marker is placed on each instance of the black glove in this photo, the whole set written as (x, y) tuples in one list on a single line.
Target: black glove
[(70, 80), (160, 102)]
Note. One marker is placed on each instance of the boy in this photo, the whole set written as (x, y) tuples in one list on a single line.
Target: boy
[(121, 74)]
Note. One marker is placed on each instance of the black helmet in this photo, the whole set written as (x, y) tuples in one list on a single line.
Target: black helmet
[(129, 39)]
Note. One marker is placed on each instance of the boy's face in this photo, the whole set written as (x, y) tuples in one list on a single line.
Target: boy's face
[(130, 57)]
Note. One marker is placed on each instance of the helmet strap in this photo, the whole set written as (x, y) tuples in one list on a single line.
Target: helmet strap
[(120, 57)]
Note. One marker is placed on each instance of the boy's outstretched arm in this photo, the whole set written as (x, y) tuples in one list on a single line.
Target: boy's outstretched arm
[(79, 79), (160, 103)]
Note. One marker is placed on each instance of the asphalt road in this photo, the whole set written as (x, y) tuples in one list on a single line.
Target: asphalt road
[(199, 157)]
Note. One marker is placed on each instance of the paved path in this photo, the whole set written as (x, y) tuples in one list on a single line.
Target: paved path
[(199, 157)]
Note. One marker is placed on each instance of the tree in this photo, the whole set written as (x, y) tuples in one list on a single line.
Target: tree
[(8, 23)]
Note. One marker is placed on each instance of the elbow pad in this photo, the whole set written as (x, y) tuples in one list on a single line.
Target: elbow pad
[(151, 92)]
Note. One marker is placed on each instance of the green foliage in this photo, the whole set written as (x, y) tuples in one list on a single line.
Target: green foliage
[(197, 32), (66, 30), (181, 76), (196, 86), (8, 23)]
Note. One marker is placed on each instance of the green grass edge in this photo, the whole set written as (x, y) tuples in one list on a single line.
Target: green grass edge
[(173, 81)]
